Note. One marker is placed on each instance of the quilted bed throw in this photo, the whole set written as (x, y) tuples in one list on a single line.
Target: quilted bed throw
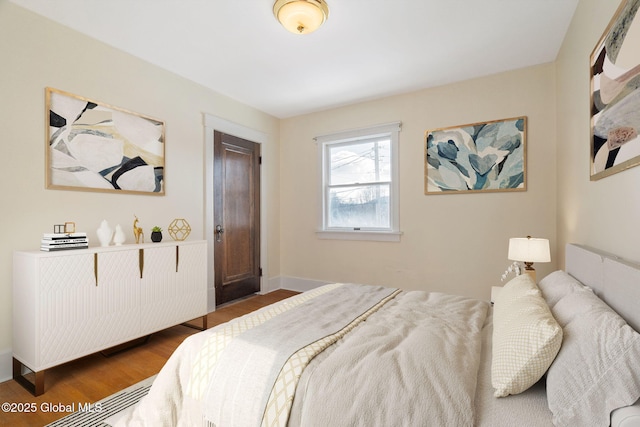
[(255, 377), (412, 363)]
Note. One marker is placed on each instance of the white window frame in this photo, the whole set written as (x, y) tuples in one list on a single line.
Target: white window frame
[(393, 233)]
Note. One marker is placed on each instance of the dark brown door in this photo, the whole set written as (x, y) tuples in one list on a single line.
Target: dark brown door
[(236, 217)]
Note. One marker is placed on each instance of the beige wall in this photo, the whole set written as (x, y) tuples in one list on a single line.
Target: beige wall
[(454, 243), (604, 213), (37, 53)]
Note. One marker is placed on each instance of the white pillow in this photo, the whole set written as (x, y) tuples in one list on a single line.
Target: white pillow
[(516, 288), (519, 286), (526, 337), (558, 284), (598, 367)]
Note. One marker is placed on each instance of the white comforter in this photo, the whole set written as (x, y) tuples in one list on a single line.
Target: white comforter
[(413, 361)]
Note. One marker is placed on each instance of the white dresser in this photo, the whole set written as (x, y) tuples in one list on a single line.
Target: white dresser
[(72, 303)]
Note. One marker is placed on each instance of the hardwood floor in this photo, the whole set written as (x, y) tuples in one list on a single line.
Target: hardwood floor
[(95, 377)]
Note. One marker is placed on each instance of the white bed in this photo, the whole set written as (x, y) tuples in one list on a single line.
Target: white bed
[(351, 355)]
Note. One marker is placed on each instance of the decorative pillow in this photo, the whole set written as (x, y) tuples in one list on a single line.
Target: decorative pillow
[(567, 309), (558, 284), (518, 286), (597, 369), (526, 337)]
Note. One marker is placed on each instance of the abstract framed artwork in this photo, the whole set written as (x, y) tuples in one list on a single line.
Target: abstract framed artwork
[(615, 95), (479, 157), (92, 146)]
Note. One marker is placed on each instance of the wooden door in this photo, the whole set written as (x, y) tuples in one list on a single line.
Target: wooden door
[(236, 217)]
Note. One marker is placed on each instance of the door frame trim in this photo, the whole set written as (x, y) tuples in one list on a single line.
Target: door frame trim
[(213, 123)]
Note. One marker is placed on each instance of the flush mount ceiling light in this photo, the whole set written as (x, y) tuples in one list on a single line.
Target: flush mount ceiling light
[(301, 16)]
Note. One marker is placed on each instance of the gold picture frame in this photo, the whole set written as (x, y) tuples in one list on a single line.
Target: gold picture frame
[(92, 146), (615, 95), (479, 157)]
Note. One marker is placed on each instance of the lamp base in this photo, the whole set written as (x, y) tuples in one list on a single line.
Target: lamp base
[(531, 272)]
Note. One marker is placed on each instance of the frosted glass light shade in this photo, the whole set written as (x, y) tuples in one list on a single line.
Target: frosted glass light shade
[(301, 16), (529, 249)]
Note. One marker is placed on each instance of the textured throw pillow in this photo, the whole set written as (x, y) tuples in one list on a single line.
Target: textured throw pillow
[(558, 284), (526, 338), (571, 306), (598, 367), (517, 287)]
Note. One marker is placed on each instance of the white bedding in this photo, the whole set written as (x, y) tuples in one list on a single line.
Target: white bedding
[(413, 363), (421, 359), (256, 376), (528, 408)]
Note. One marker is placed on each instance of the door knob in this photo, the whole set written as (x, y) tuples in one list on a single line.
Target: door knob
[(219, 231)]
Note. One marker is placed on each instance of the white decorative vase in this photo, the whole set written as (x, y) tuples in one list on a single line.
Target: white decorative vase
[(105, 233), (119, 236)]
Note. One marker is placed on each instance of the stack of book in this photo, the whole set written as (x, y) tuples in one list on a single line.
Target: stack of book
[(63, 241)]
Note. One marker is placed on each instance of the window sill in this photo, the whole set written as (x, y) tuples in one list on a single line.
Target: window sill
[(379, 236)]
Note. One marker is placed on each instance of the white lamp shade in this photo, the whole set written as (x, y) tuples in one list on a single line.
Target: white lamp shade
[(529, 249), (301, 16)]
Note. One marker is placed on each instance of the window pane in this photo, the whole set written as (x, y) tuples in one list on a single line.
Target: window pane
[(359, 206), (360, 162)]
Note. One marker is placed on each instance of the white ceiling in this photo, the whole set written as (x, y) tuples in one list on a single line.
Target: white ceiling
[(367, 49)]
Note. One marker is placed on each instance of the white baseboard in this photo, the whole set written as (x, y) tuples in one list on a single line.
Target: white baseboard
[(300, 285), (6, 365), (270, 285), (291, 284)]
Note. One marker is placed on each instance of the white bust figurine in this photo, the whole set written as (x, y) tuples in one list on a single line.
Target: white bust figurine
[(105, 233), (119, 236)]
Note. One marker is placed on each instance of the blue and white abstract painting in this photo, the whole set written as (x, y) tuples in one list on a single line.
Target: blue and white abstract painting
[(488, 156)]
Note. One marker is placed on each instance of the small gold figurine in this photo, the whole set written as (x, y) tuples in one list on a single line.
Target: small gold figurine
[(137, 231)]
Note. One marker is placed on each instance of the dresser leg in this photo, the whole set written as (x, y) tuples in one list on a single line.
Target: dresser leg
[(36, 387), (204, 324)]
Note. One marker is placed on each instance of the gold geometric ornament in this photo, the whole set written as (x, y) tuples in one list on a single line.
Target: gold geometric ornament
[(179, 229)]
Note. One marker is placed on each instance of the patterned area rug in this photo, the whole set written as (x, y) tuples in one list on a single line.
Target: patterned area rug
[(109, 407)]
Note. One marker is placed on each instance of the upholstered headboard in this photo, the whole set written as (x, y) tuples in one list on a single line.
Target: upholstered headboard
[(614, 280)]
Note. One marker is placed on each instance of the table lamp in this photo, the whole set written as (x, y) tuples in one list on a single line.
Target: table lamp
[(529, 250)]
